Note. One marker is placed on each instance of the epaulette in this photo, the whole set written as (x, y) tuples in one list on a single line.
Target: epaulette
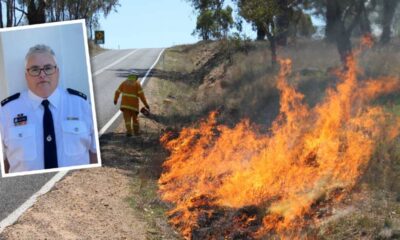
[(77, 93), (10, 98)]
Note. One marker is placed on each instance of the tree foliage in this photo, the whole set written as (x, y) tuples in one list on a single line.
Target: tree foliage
[(369, 15), (300, 24), (259, 13), (40, 11), (213, 21), (273, 18)]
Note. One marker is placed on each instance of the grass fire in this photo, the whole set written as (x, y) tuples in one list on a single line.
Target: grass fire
[(244, 182)]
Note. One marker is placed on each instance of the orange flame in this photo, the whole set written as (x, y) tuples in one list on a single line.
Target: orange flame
[(367, 40), (309, 155)]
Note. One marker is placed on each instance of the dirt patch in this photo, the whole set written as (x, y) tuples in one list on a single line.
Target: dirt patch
[(86, 204), (95, 49)]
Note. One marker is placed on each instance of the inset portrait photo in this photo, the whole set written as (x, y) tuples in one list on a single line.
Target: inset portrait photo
[(47, 113)]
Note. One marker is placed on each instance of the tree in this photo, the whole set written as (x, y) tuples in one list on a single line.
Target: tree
[(261, 13), (333, 15), (225, 20), (282, 19), (10, 11), (341, 19), (260, 32), (336, 30), (389, 8), (396, 22), (357, 11), (205, 24), (60, 10), (1, 15), (364, 22), (36, 12), (213, 21), (300, 25), (40, 11)]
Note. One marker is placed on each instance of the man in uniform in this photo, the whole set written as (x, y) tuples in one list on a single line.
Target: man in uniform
[(46, 127), (131, 91)]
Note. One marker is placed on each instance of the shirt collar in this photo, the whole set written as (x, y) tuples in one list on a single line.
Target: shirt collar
[(36, 101)]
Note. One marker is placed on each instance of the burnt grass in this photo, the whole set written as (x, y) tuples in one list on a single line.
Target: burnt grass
[(216, 222), (219, 222)]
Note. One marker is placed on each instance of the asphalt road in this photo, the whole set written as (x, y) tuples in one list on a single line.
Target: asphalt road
[(109, 69)]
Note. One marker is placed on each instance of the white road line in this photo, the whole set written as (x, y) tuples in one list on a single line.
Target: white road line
[(13, 217), (151, 68), (114, 63), (111, 121), (99, 54)]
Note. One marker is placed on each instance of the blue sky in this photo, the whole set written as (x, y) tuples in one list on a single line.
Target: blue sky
[(151, 23)]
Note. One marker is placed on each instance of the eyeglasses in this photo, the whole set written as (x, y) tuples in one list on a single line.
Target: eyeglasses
[(47, 69)]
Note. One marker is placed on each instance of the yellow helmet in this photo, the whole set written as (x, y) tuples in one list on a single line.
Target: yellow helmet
[(133, 75)]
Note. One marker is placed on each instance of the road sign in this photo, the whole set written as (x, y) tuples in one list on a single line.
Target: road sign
[(99, 37)]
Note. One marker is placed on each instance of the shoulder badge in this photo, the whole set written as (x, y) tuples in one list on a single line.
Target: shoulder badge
[(10, 98), (77, 93)]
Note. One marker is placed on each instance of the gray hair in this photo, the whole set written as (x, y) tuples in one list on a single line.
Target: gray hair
[(39, 48)]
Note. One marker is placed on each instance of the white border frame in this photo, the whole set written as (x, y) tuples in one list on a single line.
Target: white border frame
[(94, 116)]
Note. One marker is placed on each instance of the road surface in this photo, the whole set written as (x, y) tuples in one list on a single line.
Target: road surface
[(109, 69)]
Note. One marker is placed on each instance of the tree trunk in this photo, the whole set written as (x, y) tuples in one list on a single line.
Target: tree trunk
[(1, 15), (282, 22), (205, 35), (389, 7), (365, 24), (272, 42), (10, 12), (50, 10), (89, 23), (336, 30), (36, 14), (343, 42), (333, 16), (260, 33)]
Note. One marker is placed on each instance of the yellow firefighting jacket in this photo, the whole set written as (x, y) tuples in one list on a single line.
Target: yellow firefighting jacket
[(131, 91)]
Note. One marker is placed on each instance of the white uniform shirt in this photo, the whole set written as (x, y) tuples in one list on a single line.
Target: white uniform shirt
[(23, 140)]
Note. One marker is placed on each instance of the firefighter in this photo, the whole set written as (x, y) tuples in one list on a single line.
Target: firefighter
[(131, 91)]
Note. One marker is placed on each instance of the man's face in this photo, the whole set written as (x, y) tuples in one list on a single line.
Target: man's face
[(44, 84)]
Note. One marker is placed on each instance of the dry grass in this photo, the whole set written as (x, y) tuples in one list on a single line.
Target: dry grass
[(374, 215), (95, 49), (318, 55), (187, 58), (194, 79)]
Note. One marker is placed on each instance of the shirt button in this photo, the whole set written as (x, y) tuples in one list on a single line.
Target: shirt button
[(20, 135), (76, 129)]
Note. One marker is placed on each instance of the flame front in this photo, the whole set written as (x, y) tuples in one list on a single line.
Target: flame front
[(310, 154)]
